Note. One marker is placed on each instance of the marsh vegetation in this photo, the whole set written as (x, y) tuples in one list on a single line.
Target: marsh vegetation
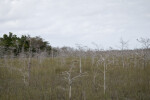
[(75, 74)]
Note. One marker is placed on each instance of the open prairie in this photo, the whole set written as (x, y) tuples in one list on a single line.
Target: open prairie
[(88, 77)]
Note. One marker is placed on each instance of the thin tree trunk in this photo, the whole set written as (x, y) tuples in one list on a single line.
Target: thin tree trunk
[(80, 66), (29, 63), (70, 92), (104, 78), (29, 69)]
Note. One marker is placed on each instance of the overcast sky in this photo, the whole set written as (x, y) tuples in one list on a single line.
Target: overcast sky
[(70, 22)]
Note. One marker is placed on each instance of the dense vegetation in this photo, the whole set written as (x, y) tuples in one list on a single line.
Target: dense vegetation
[(76, 74), (16, 45)]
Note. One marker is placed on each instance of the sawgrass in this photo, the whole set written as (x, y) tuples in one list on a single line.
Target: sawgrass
[(46, 81)]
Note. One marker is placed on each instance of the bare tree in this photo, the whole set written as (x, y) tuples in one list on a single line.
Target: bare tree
[(81, 54), (145, 42), (103, 60), (124, 45), (29, 61), (70, 79), (145, 49)]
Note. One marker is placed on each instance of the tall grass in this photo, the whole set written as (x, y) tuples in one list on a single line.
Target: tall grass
[(46, 80)]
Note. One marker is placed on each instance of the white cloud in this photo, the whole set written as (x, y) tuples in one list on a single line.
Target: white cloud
[(66, 22)]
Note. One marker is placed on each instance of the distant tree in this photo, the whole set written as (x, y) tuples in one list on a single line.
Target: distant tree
[(145, 49), (12, 43), (9, 43), (123, 45)]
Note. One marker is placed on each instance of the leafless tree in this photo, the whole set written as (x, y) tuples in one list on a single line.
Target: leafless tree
[(70, 78), (145, 49), (123, 45), (29, 61), (81, 54)]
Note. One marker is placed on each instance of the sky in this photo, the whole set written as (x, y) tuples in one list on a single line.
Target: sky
[(71, 22)]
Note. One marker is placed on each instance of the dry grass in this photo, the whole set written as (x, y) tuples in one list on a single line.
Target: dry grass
[(46, 81)]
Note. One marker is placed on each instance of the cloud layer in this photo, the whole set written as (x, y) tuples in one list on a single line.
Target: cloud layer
[(67, 22)]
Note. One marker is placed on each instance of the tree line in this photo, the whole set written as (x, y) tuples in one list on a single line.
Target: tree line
[(12, 44)]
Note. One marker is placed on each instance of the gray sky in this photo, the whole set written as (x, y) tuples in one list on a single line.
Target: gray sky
[(67, 22)]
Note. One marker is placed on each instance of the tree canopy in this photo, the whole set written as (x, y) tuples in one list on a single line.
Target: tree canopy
[(12, 43)]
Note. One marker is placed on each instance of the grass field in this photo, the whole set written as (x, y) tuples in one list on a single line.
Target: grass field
[(46, 80)]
